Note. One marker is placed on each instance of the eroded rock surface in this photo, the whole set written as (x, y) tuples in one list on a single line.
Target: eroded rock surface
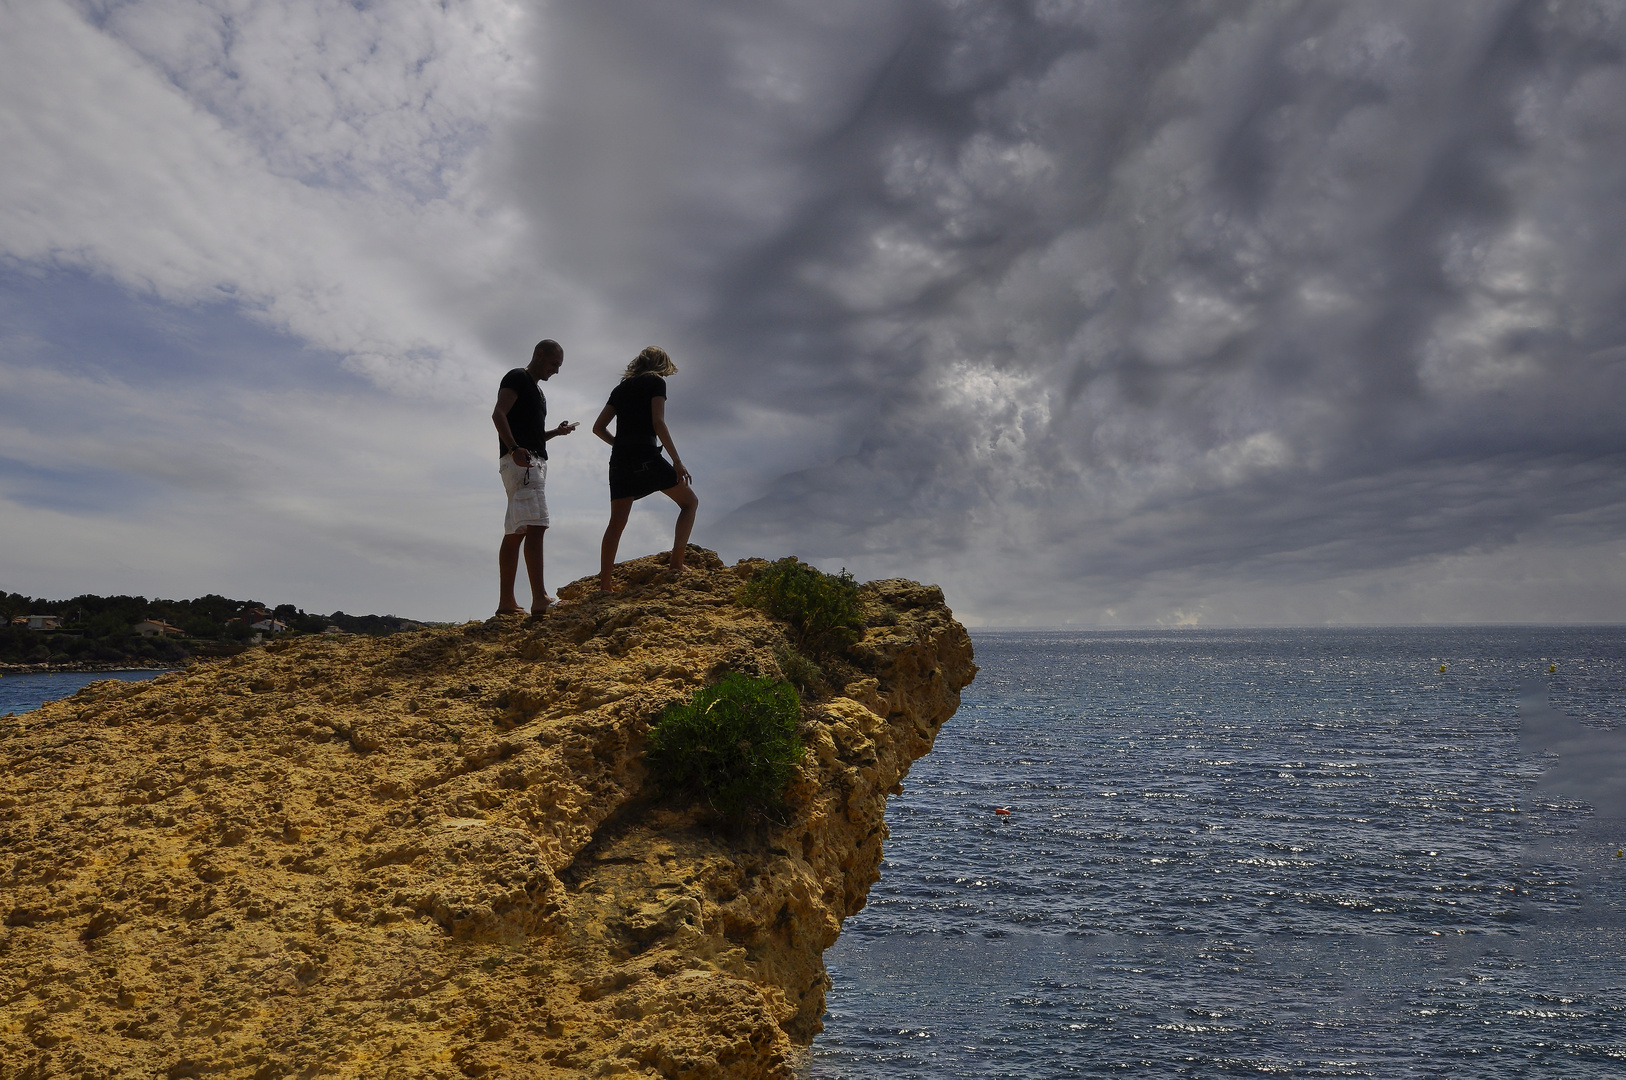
[(435, 854)]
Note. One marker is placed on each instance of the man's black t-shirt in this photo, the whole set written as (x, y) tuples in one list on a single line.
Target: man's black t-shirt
[(634, 424), (528, 418)]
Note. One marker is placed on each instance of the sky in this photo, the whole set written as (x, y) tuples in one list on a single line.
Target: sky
[(1095, 313)]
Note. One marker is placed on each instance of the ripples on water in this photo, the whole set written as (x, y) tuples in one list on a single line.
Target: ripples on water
[(1304, 853)]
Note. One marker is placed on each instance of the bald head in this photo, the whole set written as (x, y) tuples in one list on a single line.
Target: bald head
[(545, 358)]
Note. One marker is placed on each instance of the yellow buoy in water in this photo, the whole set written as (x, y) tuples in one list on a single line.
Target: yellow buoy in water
[(1551, 668), (1442, 669)]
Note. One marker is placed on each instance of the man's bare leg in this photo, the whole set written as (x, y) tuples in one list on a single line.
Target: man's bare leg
[(533, 568), (507, 570), (688, 502), (620, 509)]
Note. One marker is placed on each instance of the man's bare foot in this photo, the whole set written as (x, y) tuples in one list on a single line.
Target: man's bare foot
[(510, 611), (543, 603)]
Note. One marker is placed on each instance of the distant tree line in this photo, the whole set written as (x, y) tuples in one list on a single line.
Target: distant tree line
[(101, 629)]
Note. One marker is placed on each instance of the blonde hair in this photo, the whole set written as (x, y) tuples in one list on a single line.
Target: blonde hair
[(652, 361)]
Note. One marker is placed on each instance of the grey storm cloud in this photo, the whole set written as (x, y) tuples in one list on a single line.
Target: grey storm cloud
[(1255, 291)]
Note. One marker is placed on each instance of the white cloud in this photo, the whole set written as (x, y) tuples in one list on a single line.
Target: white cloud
[(383, 98), (309, 162)]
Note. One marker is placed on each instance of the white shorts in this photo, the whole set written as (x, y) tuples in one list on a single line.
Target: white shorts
[(527, 505)]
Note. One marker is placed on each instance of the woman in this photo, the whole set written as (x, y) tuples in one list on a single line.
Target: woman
[(638, 407)]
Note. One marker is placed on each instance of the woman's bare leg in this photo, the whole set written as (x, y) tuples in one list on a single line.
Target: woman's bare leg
[(619, 510), (688, 502)]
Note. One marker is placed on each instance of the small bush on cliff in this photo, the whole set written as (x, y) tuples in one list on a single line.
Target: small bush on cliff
[(734, 742), (803, 673), (823, 607)]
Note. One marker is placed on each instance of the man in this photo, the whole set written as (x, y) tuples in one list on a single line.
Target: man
[(521, 417)]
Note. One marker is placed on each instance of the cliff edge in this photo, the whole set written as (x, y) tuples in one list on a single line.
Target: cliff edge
[(434, 854)]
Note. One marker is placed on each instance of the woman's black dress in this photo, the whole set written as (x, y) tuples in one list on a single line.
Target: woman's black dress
[(636, 466)]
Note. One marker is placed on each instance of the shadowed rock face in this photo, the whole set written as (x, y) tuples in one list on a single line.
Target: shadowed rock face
[(434, 854)]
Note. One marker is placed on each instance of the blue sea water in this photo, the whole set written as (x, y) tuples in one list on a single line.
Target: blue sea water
[(24, 693), (1295, 852)]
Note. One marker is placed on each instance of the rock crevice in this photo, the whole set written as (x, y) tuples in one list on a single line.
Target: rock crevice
[(436, 855)]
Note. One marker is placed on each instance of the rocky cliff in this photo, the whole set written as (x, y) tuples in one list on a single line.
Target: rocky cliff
[(435, 854)]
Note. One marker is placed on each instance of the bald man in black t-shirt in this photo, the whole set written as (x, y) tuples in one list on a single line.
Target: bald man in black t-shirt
[(521, 418)]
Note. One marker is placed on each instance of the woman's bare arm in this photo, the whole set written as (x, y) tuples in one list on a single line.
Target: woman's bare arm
[(601, 426), (657, 415)]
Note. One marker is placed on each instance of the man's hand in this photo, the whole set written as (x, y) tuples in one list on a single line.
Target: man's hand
[(565, 428), (522, 457)]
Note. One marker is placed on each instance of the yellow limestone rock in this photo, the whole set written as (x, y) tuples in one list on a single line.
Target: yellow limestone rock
[(434, 855)]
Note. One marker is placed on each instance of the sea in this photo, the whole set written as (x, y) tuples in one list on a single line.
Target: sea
[(25, 693), (1307, 853)]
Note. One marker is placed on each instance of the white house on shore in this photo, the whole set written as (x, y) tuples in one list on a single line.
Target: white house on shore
[(156, 628), (37, 622)]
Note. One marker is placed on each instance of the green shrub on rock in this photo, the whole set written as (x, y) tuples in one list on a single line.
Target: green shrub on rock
[(734, 742), (822, 607), (803, 673)]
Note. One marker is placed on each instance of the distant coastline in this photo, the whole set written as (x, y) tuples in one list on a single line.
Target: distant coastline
[(132, 633), (89, 667)]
